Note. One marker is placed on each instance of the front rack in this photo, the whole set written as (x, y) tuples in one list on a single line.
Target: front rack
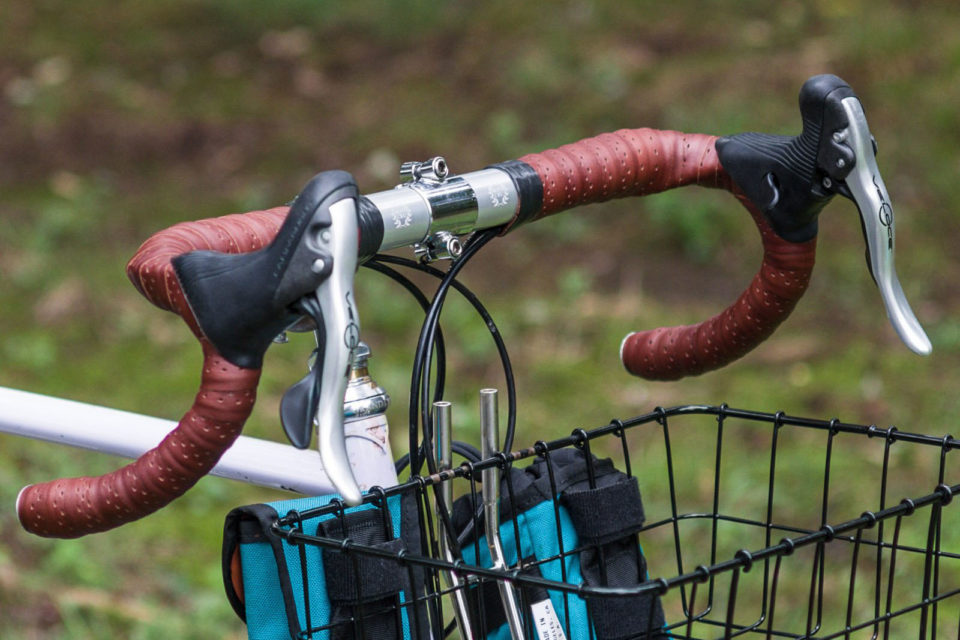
[(756, 524)]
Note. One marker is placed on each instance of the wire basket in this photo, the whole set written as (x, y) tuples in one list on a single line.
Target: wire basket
[(756, 524)]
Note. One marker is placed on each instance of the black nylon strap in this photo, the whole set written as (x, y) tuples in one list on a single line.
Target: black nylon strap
[(243, 522), (607, 513), (355, 578), (364, 591), (621, 617)]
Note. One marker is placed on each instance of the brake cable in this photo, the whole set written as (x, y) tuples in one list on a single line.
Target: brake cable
[(420, 382)]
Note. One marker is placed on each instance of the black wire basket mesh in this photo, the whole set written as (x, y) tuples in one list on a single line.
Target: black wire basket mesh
[(752, 524)]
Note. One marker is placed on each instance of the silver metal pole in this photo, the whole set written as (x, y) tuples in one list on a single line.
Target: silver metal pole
[(490, 435), (442, 432)]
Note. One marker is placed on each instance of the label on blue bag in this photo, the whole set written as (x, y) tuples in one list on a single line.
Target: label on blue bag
[(546, 621)]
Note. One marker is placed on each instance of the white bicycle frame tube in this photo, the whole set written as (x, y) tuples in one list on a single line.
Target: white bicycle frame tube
[(129, 435)]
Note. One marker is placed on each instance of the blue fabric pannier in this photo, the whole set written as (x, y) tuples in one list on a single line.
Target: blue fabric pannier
[(285, 590)]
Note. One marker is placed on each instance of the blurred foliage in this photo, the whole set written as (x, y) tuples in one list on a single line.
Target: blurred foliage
[(117, 119)]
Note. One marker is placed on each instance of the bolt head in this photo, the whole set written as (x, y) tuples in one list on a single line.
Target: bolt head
[(440, 168), (454, 247)]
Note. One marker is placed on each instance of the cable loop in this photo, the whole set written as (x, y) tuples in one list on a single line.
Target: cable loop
[(945, 493), (778, 419), (834, 429), (295, 526), (661, 415), (662, 586), (703, 573), (471, 472), (945, 442), (618, 428), (789, 544), (581, 437)]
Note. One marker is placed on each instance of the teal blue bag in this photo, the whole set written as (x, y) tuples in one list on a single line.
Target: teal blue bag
[(286, 590), (578, 524)]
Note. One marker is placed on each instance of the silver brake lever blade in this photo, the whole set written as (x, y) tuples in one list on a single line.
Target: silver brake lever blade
[(868, 191), (341, 325)]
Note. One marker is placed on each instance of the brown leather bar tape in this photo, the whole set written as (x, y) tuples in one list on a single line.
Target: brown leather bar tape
[(644, 161), (670, 353), (150, 269), (73, 507), (629, 162)]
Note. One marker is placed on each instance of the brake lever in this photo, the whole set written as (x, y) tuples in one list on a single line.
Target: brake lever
[(790, 179), (341, 326), (865, 187), (242, 301)]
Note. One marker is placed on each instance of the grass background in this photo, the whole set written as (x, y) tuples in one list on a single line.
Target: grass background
[(118, 119)]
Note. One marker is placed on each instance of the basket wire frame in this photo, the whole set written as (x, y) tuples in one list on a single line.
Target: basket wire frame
[(848, 542)]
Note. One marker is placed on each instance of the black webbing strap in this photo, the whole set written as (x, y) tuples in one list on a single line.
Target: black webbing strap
[(607, 519), (354, 578), (252, 524), (365, 591), (622, 618), (606, 513)]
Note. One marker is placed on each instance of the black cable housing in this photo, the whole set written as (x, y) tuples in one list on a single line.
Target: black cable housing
[(431, 337)]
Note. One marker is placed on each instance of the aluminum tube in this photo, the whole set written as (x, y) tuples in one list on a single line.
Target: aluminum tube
[(471, 201), (442, 433), (490, 437), (129, 435)]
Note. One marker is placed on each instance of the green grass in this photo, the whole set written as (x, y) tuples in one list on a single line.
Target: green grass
[(118, 120)]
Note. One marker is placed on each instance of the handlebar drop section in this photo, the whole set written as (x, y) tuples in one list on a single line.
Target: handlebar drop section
[(233, 280), (636, 162), (73, 507)]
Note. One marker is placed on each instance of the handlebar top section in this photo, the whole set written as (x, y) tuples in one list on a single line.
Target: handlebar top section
[(629, 162)]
